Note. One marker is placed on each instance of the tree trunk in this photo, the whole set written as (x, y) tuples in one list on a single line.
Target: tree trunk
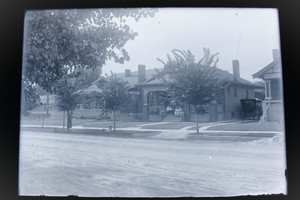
[(114, 115), (197, 120), (43, 119), (47, 106), (69, 120), (64, 116)]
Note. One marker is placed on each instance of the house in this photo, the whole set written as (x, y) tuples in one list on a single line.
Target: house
[(272, 77), (150, 103)]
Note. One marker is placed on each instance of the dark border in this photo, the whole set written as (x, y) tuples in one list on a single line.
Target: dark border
[(11, 35)]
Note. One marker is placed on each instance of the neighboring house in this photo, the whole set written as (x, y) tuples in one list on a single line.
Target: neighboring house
[(150, 104), (272, 76)]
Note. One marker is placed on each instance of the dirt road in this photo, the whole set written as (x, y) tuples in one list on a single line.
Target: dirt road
[(57, 164)]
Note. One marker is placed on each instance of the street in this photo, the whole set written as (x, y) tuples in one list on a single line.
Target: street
[(56, 164)]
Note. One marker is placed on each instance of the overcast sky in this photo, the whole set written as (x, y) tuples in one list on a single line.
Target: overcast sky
[(248, 35)]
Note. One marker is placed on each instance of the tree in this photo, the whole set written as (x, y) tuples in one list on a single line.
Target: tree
[(87, 77), (66, 100), (30, 98), (114, 95), (57, 42), (190, 82)]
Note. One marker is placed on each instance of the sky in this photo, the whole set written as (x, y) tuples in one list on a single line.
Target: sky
[(245, 34)]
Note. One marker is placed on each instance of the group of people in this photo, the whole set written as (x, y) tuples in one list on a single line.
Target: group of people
[(178, 112)]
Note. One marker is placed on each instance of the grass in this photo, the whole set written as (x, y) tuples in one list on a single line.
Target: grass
[(54, 121), (171, 125), (195, 127), (117, 133), (57, 120), (106, 124), (250, 126)]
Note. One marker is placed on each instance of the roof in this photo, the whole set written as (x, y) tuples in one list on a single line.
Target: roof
[(92, 88), (261, 72), (132, 80), (222, 75)]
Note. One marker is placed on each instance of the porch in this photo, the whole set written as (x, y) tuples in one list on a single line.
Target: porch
[(159, 107)]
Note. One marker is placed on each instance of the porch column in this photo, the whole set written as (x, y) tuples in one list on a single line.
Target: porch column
[(145, 113), (145, 107)]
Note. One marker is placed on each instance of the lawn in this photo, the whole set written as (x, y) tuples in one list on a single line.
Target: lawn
[(171, 125), (107, 123), (250, 126), (56, 119), (94, 132)]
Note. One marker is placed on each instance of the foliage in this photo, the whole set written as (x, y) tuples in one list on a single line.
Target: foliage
[(188, 81), (30, 98), (87, 77), (93, 100), (59, 42), (65, 96), (114, 92)]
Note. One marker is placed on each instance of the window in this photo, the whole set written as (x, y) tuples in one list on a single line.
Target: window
[(247, 93)]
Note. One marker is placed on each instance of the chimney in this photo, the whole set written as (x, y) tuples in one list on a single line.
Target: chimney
[(127, 72), (141, 73), (276, 54), (236, 70)]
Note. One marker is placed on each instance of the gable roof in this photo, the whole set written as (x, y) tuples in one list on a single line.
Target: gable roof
[(260, 73), (222, 75)]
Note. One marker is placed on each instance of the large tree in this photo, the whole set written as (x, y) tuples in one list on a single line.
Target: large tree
[(66, 100), (58, 42), (190, 82)]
